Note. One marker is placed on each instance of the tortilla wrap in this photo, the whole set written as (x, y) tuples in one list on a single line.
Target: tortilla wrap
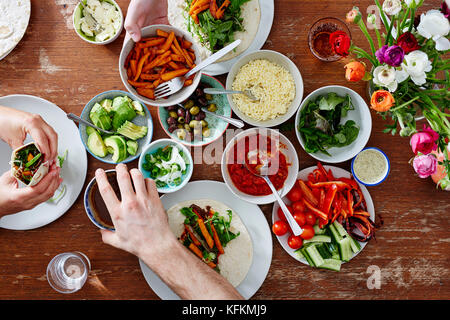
[(250, 13), (237, 259), (14, 17), (38, 175)]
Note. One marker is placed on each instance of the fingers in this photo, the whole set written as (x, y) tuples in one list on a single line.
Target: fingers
[(139, 183), (152, 191), (131, 23), (108, 237), (44, 136), (44, 190), (124, 181), (107, 192)]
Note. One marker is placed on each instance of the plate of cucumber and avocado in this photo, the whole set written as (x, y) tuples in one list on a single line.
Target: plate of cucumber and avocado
[(126, 117)]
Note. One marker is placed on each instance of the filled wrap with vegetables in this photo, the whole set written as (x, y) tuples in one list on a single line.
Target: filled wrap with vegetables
[(28, 164), (215, 234)]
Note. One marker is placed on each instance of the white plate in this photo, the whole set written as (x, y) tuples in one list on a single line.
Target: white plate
[(338, 173), (73, 171), (20, 36), (265, 25), (251, 216)]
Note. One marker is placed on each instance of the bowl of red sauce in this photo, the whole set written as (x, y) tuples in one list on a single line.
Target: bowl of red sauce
[(242, 159)]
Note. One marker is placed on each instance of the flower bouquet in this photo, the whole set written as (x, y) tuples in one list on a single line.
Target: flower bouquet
[(409, 77)]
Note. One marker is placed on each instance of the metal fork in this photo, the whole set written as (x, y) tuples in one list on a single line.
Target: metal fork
[(170, 87)]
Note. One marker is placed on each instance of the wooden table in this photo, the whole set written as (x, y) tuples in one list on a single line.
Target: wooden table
[(412, 247)]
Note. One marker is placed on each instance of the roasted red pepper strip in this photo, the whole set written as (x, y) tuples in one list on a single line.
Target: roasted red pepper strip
[(360, 200), (330, 175), (314, 210), (307, 193), (350, 202), (321, 199), (361, 213), (329, 198), (322, 170), (351, 182), (339, 184)]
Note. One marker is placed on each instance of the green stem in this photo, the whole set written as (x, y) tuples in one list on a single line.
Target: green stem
[(363, 28), (389, 32), (404, 104), (380, 43), (404, 19), (382, 15), (364, 54), (411, 24)]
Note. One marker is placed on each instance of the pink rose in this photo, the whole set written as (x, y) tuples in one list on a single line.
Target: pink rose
[(425, 165), (424, 141)]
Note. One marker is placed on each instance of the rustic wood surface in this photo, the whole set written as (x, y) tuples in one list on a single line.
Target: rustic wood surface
[(412, 247)]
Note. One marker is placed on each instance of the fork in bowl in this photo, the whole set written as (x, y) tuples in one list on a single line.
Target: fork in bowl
[(170, 87)]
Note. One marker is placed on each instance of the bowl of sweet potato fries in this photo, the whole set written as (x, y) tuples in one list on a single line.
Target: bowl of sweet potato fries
[(163, 53)]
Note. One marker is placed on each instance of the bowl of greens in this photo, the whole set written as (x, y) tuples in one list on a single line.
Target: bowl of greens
[(333, 124), (168, 163), (128, 120)]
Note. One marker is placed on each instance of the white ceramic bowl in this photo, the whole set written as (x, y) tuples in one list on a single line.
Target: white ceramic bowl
[(279, 59), (161, 143), (77, 15), (361, 116), (171, 100), (286, 148)]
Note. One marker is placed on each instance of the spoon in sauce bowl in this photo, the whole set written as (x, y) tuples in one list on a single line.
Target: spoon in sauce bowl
[(259, 166)]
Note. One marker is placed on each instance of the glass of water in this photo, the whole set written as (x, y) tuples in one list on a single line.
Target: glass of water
[(67, 272)]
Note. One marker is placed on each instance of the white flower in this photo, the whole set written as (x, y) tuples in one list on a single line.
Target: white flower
[(385, 76), (416, 64), (433, 24), (412, 3), (392, 7)]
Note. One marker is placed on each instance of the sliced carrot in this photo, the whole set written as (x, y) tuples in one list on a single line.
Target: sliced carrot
[(133, 65), (139, 84), (140, 65), (196, 250), (146, 92), (216, 238), (168, 42), (161, 33), (152, 76), (205, 233), (192, 236), (173, 74)]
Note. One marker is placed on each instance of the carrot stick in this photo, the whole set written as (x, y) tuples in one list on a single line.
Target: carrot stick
[(183, 53), (186, 44), (146, 92), (155, 61), (149, 76), (187, 83), (211, 264), (192, 236), (177, 57), (168, 42), (140, 65), (138, 84), (152, 43), (216, 238), (200, 9), (196, 250), (161, 33), (205, 233), (133, 66), (164, 61), (173, 74), (173, 65)]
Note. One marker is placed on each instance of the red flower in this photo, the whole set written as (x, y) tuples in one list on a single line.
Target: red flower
[(408, 42), (340, 42)]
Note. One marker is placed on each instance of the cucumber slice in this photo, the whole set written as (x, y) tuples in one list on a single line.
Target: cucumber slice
[(319, 231), (299, 253), (355, 245), (319, 238), (96, 145), (335, 236), (314, 255), (331, 264), (323, 250), (306, 256), (345, 249), (340, 229)]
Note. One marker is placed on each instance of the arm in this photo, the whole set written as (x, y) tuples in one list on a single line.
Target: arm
[(142, 228), (142, 13)]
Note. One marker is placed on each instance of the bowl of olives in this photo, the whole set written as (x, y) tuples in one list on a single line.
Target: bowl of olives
[(187, 123)]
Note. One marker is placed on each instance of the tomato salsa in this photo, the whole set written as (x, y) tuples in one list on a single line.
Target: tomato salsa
[(246, 154)]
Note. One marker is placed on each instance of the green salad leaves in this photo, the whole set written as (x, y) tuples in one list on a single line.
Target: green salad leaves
[(214, 33), (320, 123)]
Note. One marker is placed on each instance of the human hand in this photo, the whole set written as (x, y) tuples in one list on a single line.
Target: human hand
[(142, 13), (139, 219), (17, 124), (14, 199)]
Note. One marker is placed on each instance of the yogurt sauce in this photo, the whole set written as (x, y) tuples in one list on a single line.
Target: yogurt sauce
[(370, 166)]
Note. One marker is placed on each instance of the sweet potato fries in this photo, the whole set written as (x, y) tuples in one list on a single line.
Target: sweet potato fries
[(158, 59)]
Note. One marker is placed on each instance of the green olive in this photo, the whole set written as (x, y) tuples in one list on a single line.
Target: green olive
[(206, 132), (173, 114), (204, 123), (193, 123), (180, 126), (187, 127), (212, 107), (194, 110), (188, 104), (181, 120), (208, 96), (181, 134)]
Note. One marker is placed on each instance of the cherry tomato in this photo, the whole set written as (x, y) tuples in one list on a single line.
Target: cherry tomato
[(280, 228), (308, 232), (298, 206), (281, 213), (295, 242), (310, 218), (300, 217), (295, 194)]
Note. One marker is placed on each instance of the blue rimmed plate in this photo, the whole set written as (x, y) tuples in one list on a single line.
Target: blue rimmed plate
[(138, 120)]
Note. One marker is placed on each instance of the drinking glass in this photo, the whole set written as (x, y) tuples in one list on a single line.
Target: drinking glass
[(67, 272), (319, 38)]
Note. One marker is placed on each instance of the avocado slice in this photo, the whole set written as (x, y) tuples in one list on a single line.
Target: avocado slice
[(100, 117), (138, 107), (107, 105), (90, 130), (123, 111), (96, 145), (132, 131), (118, 146), (132, 147)]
